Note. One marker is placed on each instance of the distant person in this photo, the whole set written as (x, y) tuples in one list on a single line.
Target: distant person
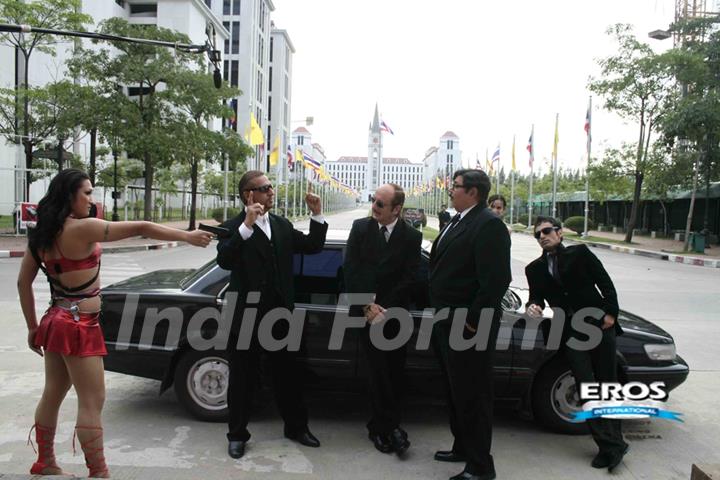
[(382, 258), (498, 205), (443, 216), (259, 255), (65, 245), (572, 278)]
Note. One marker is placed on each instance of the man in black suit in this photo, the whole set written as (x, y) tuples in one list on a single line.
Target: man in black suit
[(259, 254), (469, 274), (569, 278), (382, 258), (443, 216)]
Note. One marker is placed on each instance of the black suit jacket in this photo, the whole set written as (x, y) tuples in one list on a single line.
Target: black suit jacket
[(260, 265), (389, 270), (581, 275), (470, 264), (443, 218)]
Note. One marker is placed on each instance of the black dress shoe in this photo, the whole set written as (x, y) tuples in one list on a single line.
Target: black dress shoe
[(303, 438), (470, 476), (236, 448), (449, 456), (399, 441), (381, 442), (616, 458), (601, 460)]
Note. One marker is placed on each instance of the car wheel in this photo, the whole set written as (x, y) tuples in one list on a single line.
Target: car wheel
[(201, 384), (555, 399)]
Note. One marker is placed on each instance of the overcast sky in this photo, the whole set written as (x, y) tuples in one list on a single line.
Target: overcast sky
[(484, 70)]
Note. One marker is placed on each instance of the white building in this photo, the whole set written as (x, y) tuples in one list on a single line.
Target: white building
[(279, 98), (354, 171), (246, 55), (190, 17), (443, 160)]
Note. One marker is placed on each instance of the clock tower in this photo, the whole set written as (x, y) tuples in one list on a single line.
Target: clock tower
[(373, 174)]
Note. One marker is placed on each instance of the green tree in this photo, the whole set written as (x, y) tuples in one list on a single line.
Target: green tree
[(51, 14), (636, 84)]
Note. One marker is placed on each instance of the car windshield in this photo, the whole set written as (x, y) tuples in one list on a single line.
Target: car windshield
[(196, 274)]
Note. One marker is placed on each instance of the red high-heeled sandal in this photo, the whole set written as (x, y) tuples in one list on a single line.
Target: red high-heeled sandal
[(45, 438), (94, 458)]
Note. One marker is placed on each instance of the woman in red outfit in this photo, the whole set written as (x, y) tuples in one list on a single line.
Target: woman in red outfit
[(65, 245)]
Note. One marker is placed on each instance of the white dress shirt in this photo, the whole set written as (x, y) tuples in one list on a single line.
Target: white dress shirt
[(462, 215), (263, 221), (389, 227)]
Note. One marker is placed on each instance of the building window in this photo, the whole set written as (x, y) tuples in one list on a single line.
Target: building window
[(234, 70), (226, 70), (143, 10), (236, 7), (270, 80), (271, 49), (235, 37), (226, 7), (450, 144), (269, 109), (300, 140), (227, 41), (121, 3)]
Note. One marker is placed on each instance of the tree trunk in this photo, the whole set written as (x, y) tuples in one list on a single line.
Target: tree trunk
[(688, 223), (147, 211), (193, 192), (93, 141), (59, 158), (666, 230), (635, 207), (28, 165)]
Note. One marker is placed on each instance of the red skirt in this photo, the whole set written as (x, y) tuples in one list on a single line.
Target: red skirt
[(59, 332)]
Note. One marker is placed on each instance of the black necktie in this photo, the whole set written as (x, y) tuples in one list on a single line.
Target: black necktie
[(552, 257), (383, 231), (450, 225)]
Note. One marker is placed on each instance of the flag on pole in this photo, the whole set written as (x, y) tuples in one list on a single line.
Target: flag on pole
[(477, 162), (385, 128), (530, 148), (275, 152), (298, 155), (513, 154), (256, 136), (290, 159), (496, 158)]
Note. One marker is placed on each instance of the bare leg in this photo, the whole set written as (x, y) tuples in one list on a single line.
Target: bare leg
[(57, 384), (88, 378)]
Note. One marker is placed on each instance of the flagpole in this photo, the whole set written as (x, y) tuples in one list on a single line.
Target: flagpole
[(555, 162), (286, 177), (497, 174), (512, 195), (587, 178), (532, 163)]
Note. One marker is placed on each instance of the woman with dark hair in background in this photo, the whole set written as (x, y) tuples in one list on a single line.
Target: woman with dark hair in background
[(65, 246)]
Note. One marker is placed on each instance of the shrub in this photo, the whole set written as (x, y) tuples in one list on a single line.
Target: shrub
[(577, 224), (217, 213)]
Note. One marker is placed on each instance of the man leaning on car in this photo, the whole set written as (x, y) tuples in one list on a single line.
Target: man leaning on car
[(259, 255), (569, 278)]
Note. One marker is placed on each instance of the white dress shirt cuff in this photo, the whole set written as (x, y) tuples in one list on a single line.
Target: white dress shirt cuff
[(318, 218), (244, 231)]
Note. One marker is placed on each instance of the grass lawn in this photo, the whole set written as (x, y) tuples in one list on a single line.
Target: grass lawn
[(429, 233), (6, 221)]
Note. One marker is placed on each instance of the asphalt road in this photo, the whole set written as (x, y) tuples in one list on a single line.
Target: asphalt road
[(151, 436)]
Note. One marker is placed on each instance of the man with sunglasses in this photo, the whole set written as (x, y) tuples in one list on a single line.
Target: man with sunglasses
[(469, 274), (259, 254), (572, 278), (382, 259)]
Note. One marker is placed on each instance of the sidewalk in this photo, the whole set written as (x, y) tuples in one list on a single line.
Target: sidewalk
[(14, 246)]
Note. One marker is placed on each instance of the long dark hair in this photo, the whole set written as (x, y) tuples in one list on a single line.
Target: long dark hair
[(54, 208)]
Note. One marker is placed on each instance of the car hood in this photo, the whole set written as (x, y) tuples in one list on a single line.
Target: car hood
[(157, 280)]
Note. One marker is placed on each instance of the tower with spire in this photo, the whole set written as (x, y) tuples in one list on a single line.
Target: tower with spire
[(373, 174)]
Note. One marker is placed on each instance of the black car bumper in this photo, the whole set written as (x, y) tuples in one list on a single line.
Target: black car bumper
[(673, 375)]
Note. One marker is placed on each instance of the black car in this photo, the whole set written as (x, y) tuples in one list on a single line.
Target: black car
[(159, 306)]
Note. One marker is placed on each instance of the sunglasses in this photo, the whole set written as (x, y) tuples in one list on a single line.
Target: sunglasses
[(261, 189), (545, 231), (377, 202)]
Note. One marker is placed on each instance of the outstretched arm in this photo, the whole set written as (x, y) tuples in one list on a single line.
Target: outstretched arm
[(96, 230)]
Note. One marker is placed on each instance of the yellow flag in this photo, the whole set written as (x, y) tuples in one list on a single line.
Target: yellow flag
[(513, 154), (256, 134), (275, 152), (298, 155)]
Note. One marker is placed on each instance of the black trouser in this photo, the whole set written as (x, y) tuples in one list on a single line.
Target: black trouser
[(244, 377), (599, 365), (386, 381), (468, 378)]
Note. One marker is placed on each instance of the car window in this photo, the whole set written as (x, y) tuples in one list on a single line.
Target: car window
[(317, 276)]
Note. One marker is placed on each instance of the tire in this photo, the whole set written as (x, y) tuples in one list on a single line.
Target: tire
[(555, 398), (201, 383)]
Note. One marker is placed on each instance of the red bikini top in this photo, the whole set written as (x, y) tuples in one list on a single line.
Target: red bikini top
[(65, 265)]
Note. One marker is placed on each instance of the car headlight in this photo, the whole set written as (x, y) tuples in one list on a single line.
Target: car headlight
[(663, 351)]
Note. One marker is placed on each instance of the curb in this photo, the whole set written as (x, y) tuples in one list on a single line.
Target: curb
[(118, 249), (683, 259)]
